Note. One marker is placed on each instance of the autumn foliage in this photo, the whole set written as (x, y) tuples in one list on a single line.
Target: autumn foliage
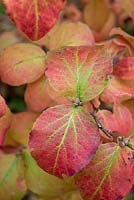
[(75, 140)]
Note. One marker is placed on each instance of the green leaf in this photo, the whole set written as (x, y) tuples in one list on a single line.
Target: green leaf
[(12, 183), (42, 183)]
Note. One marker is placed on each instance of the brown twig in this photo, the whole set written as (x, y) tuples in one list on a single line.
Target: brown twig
[(121, 140), (101, 127)]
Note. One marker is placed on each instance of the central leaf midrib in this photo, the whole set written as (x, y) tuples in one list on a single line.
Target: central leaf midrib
[(30, 59)]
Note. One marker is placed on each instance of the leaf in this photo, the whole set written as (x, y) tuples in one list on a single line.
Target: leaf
[(34, 17), (56, 98), (64, 139), (130, 105), (62, 35), (12, 183), (79, 71), (120, 120), (108, 174), (21, 63), (20, 128), (118, 90), (2, 106), (127, 6), (75, 195), (48, 185), (110, 23), (8, 38), (96, 13), (37, 97), (123, 39), (5, 122), (125, 69)]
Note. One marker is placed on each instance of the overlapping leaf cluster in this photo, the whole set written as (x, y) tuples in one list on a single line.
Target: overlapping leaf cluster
[(79, 122)]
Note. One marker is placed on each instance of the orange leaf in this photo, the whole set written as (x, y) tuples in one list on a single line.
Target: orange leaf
[(22, 63)]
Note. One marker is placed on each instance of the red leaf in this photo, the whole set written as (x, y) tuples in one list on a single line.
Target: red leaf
[(34, 17), (22, 63), (125, 68), (64, 139), (79, 71), (120, 120), (108, 174)]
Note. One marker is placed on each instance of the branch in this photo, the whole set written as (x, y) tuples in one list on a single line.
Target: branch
[(121, 140), (101, 127)]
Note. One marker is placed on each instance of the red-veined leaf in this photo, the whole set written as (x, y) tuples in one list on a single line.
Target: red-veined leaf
[(118, 90), (64, 139), (125, 69), (22, 63), (79, 71), (108, 174), (120, 120), (12, 183), (62, 35), (37, 96), (34, 17)]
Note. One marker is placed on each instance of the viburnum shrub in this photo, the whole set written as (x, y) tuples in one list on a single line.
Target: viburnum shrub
[(79, 95)]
